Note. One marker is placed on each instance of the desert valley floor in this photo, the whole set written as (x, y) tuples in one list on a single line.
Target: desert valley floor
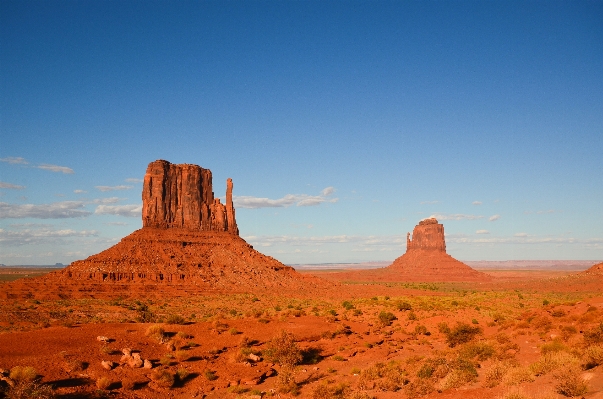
[(362, 334)]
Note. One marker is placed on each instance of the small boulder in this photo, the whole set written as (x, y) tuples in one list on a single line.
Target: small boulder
[(102, 338), (126, 351), (147, 364), (107, 364), (254, 358)]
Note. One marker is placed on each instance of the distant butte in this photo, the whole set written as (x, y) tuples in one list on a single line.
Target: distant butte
[(426, 258)]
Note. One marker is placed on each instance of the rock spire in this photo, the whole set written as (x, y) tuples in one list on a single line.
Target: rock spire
[(181, 196)]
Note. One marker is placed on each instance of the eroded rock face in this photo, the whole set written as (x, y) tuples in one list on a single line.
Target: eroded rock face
[(181, 196), (427, 235)]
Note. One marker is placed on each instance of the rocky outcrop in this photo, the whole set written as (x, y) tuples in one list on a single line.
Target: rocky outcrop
[(427, 235), (181, 196), (426, 258), (189, 239)]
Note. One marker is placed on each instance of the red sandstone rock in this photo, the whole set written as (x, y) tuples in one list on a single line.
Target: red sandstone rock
[(426, 258), (428, 235), (189, 238), (181, 196)]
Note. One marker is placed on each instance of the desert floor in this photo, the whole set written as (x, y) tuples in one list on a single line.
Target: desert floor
[(524, 334)]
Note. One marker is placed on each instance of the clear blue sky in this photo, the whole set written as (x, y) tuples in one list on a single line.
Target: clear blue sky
[(342, 123)]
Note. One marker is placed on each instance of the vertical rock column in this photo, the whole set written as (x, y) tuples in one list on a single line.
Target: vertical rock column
[(230, 211)]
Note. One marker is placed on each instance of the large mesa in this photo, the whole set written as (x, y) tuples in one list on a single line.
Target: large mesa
[(188, 238)]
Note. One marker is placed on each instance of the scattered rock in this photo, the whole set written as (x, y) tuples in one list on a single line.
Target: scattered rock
[(254, 358), (127, 351), (102, 338), (107, 364), (147, 364)]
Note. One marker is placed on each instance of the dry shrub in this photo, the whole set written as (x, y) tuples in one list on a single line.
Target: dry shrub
[(480, 350), (386, 377), (157, 333), (386, 319), (569, 382), (419, 387), (462, 372), (360, 395), (593, 356), (567, 332), (103, 383), (29, 390), (285, 381), (325, 391), (283, 350), (543, 323), (181, 355), (551, 361), (515, 395), (554, 346), (594, 335), (163, 378), (175, 319), (518, 375), (494, 374), (23, 374), (461, 334), (181, 374)]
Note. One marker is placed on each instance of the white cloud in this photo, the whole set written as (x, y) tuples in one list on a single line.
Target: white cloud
[(11, 186), (42, 235), (111, 200), (120, 210), (494, 218), (482, 232), (116, 223), (113, 188), (80, 191), (456, 216), (328, 191), (134, 180), (429, 202), (547, 211), (288, 200), (520, 235), (476, 203), (14, 160), (56, 210), (56, 168)]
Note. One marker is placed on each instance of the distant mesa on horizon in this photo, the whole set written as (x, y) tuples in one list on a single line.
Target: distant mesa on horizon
[(426, 259)]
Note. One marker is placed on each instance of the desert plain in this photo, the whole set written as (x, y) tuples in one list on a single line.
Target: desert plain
[(185, 308)]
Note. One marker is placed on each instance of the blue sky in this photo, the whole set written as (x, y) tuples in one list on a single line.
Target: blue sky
[(342, 124)]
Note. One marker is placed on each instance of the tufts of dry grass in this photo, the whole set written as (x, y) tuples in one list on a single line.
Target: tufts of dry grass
[(163, 378), (283, 350), (103, 383), (569, 382), (157, 333)]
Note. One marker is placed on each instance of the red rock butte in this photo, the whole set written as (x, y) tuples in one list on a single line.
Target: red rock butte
[(426, 258), (188, 238)]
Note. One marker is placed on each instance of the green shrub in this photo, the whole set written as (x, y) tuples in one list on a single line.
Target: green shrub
[(403, 305), (23, 374), (348, 305), (210, 375)]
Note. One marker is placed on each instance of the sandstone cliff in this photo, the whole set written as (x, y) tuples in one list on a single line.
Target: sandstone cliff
[(181, 196), (427, 235), (189, 238)]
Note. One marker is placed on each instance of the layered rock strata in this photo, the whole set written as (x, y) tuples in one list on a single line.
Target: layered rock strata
[(188, 238), (426, 258), (181, 196)]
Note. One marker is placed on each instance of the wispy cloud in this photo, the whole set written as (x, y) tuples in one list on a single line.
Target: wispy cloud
[(429, 202), (42, 235), (520, 235), (11, 186), (80, 191), (288, 200), (494, 218), (14, 160), (111, 200), (113, 188), (120, 210), (56, 168), (482, 232), (360, 243), (134, 180), (476, 203), (456, 216), (56, 210)]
